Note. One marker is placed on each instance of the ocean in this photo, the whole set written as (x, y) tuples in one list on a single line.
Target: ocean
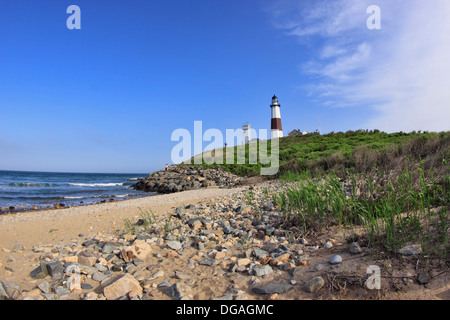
[(25, 190)]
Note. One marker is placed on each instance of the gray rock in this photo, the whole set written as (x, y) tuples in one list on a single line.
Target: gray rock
[(262, 271), (355, 248), (269, 247), (3, 293), (61, 290), (86, 286), (109, 248), (88, 243), (314, 284), (44, 287), (272, 288), (292, 272), (209, 262), (98, 276), (164, 284), (336, 259), (422, 278), (328, 245), (40, 272), (55, 269), (410, 250), (174, 245), (260, 253), (178, 291), (101, 267)]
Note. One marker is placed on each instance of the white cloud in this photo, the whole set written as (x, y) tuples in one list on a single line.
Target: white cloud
[(402, 71)]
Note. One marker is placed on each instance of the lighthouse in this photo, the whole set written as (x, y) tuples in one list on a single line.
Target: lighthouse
[(277, 131)]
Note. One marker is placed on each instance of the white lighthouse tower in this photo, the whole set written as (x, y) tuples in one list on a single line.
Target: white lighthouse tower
[(276, 130)]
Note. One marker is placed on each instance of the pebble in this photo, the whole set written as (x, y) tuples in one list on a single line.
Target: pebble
[(336, 259), (174, 245), (328, 245), (355, 248)]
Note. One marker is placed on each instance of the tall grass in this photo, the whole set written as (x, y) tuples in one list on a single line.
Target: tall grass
[(411, 207)]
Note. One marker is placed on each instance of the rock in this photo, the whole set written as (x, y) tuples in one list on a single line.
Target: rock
[(109, 248), (3, 292), (412, 249), (88, 243), (55, 269), (174, 245), (422, 278), (286, 266), (123, 286), (280, 259), (39, 272), (259, 254), (336, 259), (44, 287), (243, 262), (355, 248), (18, 247), (164, 284), (262, 271), (272, 288), (87, 258), (140, 249), (314, 284), (209, 262), (99, 277), (90, 296), (179, 291), (328, 245), (319, 267)]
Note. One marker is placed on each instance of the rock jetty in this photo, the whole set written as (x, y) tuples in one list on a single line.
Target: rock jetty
[(186, 177)]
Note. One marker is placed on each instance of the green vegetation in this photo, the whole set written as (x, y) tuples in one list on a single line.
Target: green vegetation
[(314, 154), (394, 187)]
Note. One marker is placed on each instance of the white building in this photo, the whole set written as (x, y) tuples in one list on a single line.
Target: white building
[(246, 133)]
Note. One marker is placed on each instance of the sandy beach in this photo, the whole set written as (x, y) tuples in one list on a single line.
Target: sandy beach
[(51, 226)]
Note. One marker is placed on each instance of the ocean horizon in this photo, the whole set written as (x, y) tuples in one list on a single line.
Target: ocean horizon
[(26, 190)]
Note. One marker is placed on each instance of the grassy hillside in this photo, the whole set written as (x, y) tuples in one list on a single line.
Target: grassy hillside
[(394, 186), (352, 151)]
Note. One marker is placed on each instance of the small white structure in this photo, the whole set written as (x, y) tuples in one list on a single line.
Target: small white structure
[(297, 132), (276, 130), (246, 133)]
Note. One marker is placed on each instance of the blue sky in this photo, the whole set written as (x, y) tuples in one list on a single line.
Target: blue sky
[(107, 97)]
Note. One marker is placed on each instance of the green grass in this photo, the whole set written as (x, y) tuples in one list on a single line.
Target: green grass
[(391, 214), (314, 154)]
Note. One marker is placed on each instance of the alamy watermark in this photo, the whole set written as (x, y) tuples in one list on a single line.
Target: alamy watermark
[(192, 147), (374, 21), (74, 20), (374, 281)]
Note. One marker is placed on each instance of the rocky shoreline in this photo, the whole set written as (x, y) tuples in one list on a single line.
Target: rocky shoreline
[(233, 248), (186, 177)]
